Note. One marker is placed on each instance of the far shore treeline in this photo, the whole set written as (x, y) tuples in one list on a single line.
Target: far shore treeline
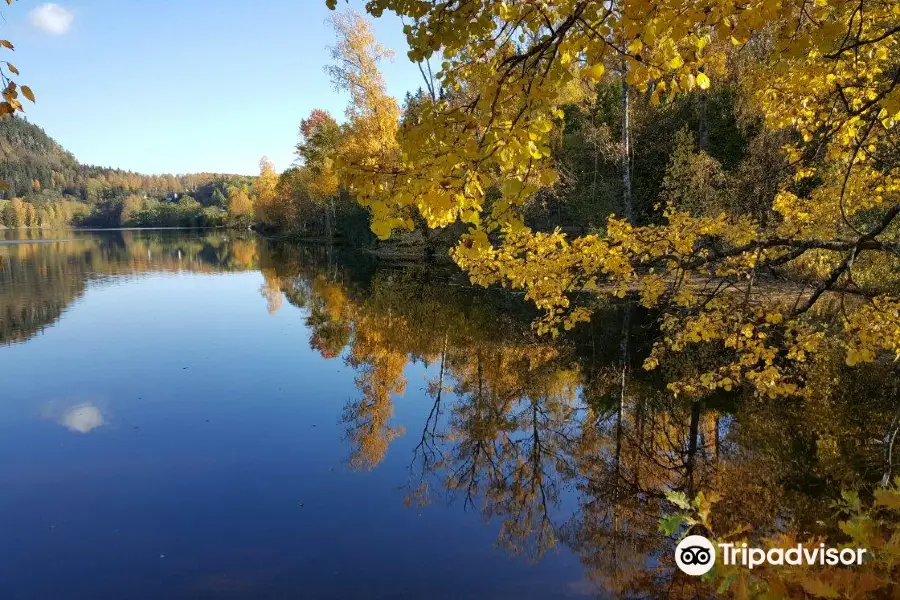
[(48, 187)]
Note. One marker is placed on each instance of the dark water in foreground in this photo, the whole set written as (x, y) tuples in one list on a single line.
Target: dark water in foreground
[(199, 415)]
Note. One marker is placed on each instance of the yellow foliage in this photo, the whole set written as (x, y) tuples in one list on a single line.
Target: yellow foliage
[(266, 198), (824, 69)]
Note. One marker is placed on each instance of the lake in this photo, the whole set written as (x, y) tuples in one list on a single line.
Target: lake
[(211, 415)]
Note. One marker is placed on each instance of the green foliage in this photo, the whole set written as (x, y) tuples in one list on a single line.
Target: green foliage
[(698, 139), (320, 136), (694, 181)]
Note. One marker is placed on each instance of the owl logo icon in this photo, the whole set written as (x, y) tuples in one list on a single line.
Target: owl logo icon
[(695, 555)]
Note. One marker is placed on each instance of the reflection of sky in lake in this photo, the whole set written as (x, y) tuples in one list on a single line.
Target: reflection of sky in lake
[(224, 471)]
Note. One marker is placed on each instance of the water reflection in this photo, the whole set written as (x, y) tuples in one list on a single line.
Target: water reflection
[(43, 272), (562, 444), (569, 441), (83, 418)]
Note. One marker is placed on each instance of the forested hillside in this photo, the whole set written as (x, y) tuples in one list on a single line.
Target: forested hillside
[(48, 187)]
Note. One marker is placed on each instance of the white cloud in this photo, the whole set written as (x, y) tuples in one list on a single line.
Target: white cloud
[(52, 18), (82, 418)]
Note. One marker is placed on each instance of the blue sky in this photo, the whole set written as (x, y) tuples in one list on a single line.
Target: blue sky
[(177, 86)]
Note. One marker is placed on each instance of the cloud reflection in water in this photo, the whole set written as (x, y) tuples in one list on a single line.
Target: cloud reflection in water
[(83, 418)]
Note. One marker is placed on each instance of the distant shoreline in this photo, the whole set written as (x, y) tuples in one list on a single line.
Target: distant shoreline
[(106, 228)]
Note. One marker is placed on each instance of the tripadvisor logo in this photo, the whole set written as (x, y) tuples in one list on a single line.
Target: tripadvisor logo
[(696, 555)]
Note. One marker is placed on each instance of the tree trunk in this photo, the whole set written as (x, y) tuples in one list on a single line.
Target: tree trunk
[(620, 412), (626, 149), (694, 433), (332, 217)]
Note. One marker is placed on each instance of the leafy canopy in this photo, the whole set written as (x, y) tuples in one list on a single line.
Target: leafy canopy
[(825, 70)]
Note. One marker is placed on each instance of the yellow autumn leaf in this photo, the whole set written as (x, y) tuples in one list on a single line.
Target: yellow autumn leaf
[(549, 177), (595, 71), (702, 81), (887, 498)]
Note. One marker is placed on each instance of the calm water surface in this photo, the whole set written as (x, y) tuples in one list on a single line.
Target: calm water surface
[(204, 415)]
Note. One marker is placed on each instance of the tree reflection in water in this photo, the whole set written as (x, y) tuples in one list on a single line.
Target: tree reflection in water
[(569, 440)]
